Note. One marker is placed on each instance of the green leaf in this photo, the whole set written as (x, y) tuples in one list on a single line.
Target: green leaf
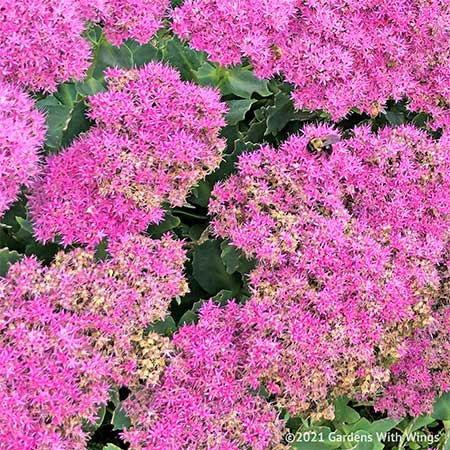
[(25, 232), (395, 118), (280, 113), (420, 119), (111, 447), (209, 75), (107, 55), (57, 117), (382, 425), (77, 124), (360, 424), (358, 432), (446, 441), (170, 222), (238, 109), (234, 259), (223, 296), (185, 59), (230, 257), (120, 420), (256, 131), (195, 232), (25, 224), (7, 258), (114, 396), (422, 421), (101, 250), (187, 318), (362, 437), (441, 409), (66, 94), (89, 87), (209, 270), (243, 83), (201, 194), (343, 413), (43, 252), (363, 440), (164, 327), (143, 54), (101, 416)]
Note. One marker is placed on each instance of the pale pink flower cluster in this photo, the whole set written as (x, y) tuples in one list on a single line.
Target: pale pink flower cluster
[(69, 331), (423, 371), (22, 133), (203, 400), (349, 246), (155, 138), (339, 54)]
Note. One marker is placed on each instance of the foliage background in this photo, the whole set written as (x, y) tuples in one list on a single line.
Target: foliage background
[(259, 112)]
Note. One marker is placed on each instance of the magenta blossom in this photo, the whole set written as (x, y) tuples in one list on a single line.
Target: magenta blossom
[(156, 137), (338, 54), (70, 331), (349, 242), (203, 400), (41, 43), (127, 19), (22, 132)]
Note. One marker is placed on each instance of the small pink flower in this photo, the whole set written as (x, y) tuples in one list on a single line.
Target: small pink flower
[(22, 132)]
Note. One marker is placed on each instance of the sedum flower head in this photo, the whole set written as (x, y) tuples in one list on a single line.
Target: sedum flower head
[(203, 400), (394, 183), (41, 43), (155, 138), (70, 330), (338, 54), (229, 29), (22, 133), (349, 243), (127, 19), (422, 372)]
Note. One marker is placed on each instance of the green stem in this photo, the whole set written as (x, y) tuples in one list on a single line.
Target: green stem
[(447, 433), (95, 51), (403, 440)]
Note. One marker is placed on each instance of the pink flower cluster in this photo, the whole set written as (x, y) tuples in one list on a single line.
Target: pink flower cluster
[(156, 137), (349, 286), (203, 400), (22, 133), (423, 371), (232, 28), (69, 331), (41, 43), (349, 246), (128, 19), (338, 53)]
